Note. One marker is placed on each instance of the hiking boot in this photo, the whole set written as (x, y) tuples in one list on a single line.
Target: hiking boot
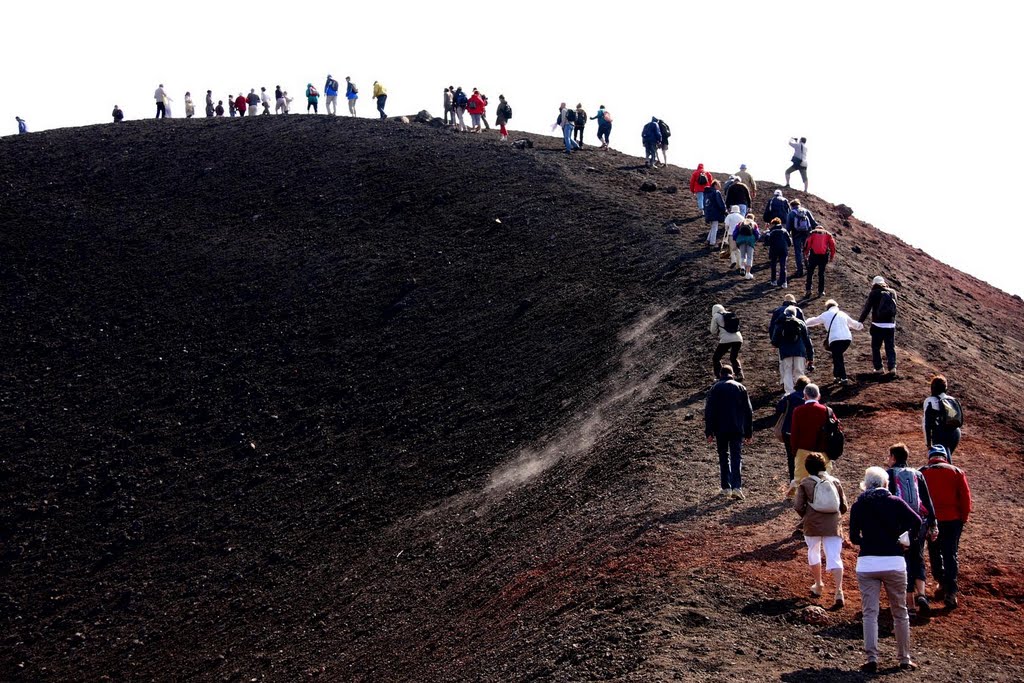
[(869, 667), (924, 610), (952, 602), (908, 666)]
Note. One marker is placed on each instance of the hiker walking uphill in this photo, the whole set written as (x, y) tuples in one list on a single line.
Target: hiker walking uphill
[(779, 313), (837, 336), (821, 502), (475, 107), (651, 137), (877, 519), (943, 418), (784, 431), (604, 126), (714, 211), (566, 119), (504, 114), (580, 124), (881, 304), (910, 485), (265, 102), (799, 160), (700, 180), (351, 94), (749, 181), (796, 352), (731, 221), (799, 221), (819, 251), (331, 95), (779, 244), (725, 325), (951, 498), (666, 132), (381, 95), (739, 194), (312, 98), (777, 207), (816, 429), (746, 235), (729, 420)]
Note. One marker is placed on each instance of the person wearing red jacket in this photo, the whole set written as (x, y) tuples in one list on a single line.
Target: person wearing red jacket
[(805, 432), (951, 498), (819, 250), (475, 107), (241, 104), (697, 187)]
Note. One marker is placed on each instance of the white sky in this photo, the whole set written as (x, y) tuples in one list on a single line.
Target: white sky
[(910, 108)]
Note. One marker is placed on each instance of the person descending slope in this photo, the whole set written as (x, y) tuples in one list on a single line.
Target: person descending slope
[(881, 304), (651, 137), (700, 180)]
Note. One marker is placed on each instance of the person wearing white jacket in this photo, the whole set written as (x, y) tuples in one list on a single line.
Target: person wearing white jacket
[(728, 342), (838, 324)]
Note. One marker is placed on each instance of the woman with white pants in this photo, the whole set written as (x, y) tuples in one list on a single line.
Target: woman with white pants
[(821, 502)]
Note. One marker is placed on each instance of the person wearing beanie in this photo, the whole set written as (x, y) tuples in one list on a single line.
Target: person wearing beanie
[(651, 137), (881, 304), (838, 324), (943, 418), (749, 181), (729, 421), (951, 498), (779, 243)]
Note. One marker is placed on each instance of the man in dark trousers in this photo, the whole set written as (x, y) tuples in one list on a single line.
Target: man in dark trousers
[(881, 304), (729, 420)]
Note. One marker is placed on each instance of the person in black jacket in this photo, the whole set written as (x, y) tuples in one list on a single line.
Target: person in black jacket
[(714, 211), (881, 304), (779, 313), (729, 420), (779, 243), (738, 194), (877, 519), (117, 114), (777, 207)]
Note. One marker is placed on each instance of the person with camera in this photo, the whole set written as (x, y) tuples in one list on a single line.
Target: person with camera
[(799, 160)]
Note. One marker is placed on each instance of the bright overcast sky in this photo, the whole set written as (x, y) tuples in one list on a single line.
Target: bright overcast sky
[(908, 107)]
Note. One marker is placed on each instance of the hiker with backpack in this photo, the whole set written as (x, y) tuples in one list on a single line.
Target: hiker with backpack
[(579, 124), (461, 101), (729, 421), (503, 115), (779, 243), (726, 326), (943, 418), (796, 352), (799, 221), (713, 205), (783, 429), (312, 98), (253, 101), (821, 503), (483, 112), (739, 194), (910, 485), (748, 180), (731, 222), (799, 160), (665, 133), (117, 114), (881, 304), (951, 498), (475, 107), (779, 313), (651, 137), (777, 207), (700, 180), (331, 95), (877, 520), (566, 121), (746, 236), (816, 429), (380, 94), (819, 251), (351, 94), (838, 336), (604, 126)]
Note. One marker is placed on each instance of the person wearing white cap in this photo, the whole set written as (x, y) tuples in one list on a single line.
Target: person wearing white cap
[(881, 304), (838, 325), (751, 184)]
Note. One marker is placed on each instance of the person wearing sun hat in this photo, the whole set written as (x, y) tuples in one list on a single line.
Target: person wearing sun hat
[(881, 304), (751, 184)]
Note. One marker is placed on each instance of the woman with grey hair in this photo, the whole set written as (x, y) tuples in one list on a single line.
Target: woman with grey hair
[(877, 520), (838, 325)]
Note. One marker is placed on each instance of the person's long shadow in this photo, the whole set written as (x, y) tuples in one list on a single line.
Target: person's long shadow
[(757, 514), (782, 550), (832, 675)]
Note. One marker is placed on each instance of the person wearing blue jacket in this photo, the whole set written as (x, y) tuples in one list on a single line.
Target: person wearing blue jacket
[(331, 91), (728, 421), (714, 210), (777, 207), (799, 222), (746, 236), (796, 352), (651, 137), (779, 241), (784, 408), (22, 126)]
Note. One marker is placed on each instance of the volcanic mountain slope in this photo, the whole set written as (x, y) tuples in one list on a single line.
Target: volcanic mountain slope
[(290, 397)]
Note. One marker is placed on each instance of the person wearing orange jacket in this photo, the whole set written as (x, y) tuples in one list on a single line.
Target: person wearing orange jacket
[(700, 181), (475, 107), (819, 250), (951, 497)]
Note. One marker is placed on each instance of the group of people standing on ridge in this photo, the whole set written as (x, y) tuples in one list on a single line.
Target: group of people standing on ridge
[(457, 104), (572, 122)]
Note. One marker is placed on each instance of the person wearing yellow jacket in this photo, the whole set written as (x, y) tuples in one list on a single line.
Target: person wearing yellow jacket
[(381, 94)]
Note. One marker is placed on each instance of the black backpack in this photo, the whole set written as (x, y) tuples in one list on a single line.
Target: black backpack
[(950, 415), (508, 111), (730, 322), (666, 132), (887, 305), (831, 437), (570, 115), (702, 179), (790, 329)]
